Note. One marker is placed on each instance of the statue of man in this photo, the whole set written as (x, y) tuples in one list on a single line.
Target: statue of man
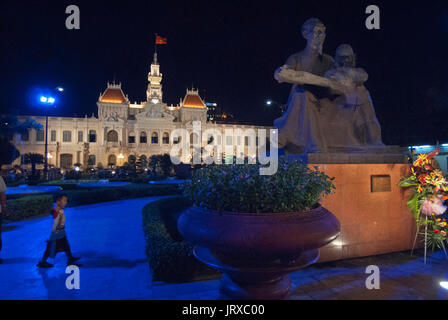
[(299, 128)]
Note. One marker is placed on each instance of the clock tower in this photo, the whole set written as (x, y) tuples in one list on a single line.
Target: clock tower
[(154, 91)]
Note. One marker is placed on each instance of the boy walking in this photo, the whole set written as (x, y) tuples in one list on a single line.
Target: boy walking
[(58, 239)]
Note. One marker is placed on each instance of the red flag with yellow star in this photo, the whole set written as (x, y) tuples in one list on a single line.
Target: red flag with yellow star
[(161, 40)]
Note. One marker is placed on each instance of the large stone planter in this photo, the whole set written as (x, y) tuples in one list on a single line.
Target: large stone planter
[(256, 252)]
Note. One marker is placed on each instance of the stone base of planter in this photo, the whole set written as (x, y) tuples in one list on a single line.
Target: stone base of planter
[(371, 209), (267, 281)]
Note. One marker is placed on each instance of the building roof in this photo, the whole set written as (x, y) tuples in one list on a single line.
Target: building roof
[(193, 100), (113, 94)]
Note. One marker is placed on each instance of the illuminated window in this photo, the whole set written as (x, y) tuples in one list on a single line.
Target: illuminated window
[(112, 136), (40, 135), (166, 138), (66, 136), (92, 136), (154, 137), (143, 138), (53, 135), (92, 160)]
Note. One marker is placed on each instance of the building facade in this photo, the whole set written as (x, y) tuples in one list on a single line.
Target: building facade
[(123, 129)]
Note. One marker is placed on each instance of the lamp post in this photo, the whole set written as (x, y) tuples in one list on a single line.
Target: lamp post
[(48, 100)]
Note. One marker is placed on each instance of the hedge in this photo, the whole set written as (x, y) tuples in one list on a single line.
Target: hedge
[(170, 257), (25, 206), (29, 206), (95, 195)]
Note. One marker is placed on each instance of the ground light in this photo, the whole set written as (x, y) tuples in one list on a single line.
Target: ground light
[(444, 284)]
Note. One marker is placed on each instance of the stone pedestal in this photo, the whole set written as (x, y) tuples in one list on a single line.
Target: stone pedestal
[(368, 203), (371, 208)]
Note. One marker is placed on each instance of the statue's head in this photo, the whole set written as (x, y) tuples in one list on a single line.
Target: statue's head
[(314, 31), (345, 56)]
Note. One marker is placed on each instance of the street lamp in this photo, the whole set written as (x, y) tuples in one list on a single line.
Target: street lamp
[(47, 100)]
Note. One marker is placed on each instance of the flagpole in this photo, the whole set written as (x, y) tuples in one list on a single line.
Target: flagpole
[(156, 43)]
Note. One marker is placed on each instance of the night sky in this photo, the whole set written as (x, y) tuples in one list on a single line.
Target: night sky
[(227, 49)]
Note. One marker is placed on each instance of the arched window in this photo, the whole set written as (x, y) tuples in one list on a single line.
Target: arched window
[(112, 160), (154, 137), (131, 138), (112, 136), (166, 138), (143, 138)]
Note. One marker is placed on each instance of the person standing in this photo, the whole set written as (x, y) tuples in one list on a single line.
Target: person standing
[(3, 208)]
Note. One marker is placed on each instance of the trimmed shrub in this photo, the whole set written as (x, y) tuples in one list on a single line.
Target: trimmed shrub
[(24, 206), (170, 257), (66, 184), (84, 196), (29, 206)]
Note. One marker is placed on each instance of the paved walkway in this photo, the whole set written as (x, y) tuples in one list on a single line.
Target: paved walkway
[(401, 277), (109, 238)]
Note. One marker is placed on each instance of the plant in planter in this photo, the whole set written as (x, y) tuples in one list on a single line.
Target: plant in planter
[(256, 228)]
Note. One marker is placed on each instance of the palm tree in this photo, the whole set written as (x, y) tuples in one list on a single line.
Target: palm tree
[(10, 125)]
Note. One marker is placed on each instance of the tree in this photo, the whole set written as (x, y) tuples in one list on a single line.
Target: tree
[(33, 159), (9, 126), (8, 152), (166, 165), (154, 163), (142, 163)]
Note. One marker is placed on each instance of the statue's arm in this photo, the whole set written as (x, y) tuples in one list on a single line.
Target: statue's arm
[(292, 63), (285, 74)]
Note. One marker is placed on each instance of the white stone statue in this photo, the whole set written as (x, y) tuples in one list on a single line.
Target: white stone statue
[(321, 93)]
